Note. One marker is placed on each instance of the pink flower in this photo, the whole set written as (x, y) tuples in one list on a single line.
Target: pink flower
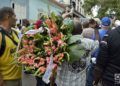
[(55, 59), (46, 48), (55, 38), (61, 56), (48, 60), (32, 57), (26, 46), (42, 69), (53, 47), (42, 59), (36, 65), (56, 50), (21, 58), (25, 42), (31, 50), (42, 62), (30, 35), (52, 30), (60, 42), (32, 46), (30, 62), (30, 42), (48, 52), (60, 35), (55, 66)]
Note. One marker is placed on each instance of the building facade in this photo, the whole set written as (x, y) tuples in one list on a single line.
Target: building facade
[(19, 6), (78, 5), (31, 9)]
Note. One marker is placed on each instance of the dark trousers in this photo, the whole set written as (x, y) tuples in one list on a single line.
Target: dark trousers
[(40, 82), (89, 75)]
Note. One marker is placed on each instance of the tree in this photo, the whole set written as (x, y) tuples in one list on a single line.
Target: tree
[(105, 7)]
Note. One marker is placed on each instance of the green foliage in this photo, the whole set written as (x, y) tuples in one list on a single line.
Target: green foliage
[(67, 26), (105, 6), (88, 5), (76, 48), (58, 19)]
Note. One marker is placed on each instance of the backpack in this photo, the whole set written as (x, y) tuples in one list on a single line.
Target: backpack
[(3, 41), (76, 48)]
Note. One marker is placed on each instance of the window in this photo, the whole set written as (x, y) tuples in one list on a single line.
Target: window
[(13, 5)]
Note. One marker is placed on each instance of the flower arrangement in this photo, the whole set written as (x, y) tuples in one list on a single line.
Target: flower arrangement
[(40, 44)]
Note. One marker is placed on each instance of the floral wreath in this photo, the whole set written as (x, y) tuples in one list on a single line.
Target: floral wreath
[(44, 49)]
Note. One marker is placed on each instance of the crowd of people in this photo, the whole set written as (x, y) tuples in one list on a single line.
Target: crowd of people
[(100, 37)]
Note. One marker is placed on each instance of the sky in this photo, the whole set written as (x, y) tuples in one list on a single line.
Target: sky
[(95, 11)]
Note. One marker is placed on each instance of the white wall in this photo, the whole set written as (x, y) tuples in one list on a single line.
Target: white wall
[(37, 6)]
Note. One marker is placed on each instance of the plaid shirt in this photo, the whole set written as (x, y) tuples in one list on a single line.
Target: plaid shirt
[(65, 77)]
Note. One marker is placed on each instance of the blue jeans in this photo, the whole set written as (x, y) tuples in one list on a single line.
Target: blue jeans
[(89, 77)]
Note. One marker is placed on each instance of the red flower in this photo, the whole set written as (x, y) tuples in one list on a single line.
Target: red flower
[(38, 24)]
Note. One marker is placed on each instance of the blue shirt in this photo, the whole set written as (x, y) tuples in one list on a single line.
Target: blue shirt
[(102, 33)]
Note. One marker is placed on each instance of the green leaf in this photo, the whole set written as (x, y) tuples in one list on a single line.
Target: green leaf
[(53, 16), (67, 56)]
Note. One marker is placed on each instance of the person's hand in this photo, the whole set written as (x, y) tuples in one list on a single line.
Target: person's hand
[(95, 83)]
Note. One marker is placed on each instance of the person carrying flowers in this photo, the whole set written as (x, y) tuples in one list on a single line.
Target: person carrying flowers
[(10, 73), (53, 45), (73, 72)]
